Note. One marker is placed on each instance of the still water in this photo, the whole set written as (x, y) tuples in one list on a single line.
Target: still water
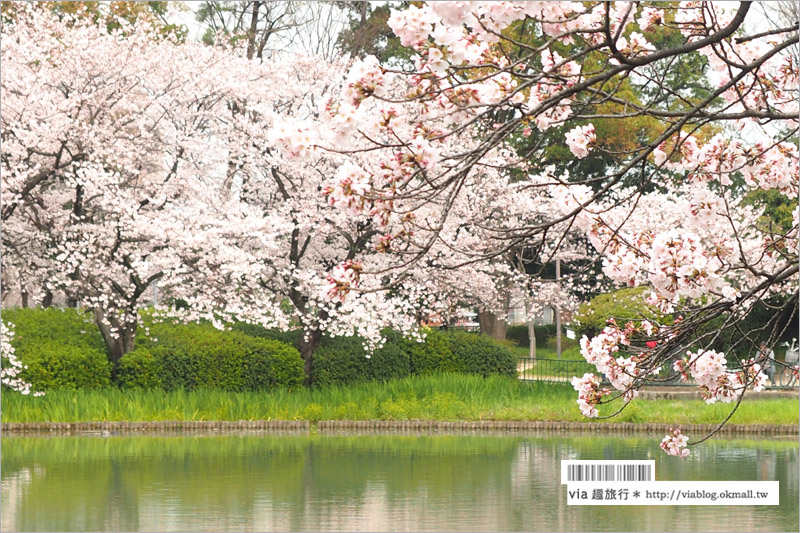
[(262, 482)]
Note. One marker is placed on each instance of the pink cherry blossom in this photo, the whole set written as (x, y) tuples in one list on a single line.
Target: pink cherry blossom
[(581, 140), (589, 393), (11, 366), (675, 443), (650, 16)]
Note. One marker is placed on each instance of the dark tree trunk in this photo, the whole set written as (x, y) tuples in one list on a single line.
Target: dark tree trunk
[(122, 343), (492, 325), (251, 38), (47, 301), (307, 348), (24, 295), (119, 346)]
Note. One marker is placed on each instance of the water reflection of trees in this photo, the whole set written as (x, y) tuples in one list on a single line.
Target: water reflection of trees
[(355, 482)]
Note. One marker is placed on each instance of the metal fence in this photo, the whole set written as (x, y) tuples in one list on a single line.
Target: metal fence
[(531, 369), (563, 370)]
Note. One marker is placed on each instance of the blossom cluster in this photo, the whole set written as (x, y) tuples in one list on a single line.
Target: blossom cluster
[(581, 140), (589, 393), (208, 194), (675, 443), (11, 366), (603, 351), (342, 279), (709, 370)]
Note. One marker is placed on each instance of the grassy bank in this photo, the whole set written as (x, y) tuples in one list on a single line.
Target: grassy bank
[(448, 397)]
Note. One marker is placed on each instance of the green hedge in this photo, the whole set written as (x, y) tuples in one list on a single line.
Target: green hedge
[(139, 370), (65, 351), (291, 337), (433, 355), (342, 360), (482, 355), (198, 355), (67, 326), (62, 348), (519, 334), (391, 360), (53, 365)]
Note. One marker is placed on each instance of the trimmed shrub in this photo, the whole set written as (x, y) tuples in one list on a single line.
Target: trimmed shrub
[(64, 326), (390, 361), (198, 355), (269, 364), (62, 348), (482, 355), (342, 360), (139, 370), (519, 334), (431, 356), (291, 337), (287, 366), (53, 365), (623, 305)]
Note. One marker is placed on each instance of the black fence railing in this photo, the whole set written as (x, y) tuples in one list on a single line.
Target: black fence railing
[(563, 370), (555, 370)]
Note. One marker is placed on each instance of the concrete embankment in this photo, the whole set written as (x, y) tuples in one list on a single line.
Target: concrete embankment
[(389, 426), (693, 393)]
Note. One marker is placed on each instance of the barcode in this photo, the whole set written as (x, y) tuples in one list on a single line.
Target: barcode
[(577, 471), (609, 473)]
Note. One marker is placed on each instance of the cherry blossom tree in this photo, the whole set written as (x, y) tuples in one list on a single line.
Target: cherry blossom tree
[(114, 164), (348, 241), (668, 213), (131, 158)]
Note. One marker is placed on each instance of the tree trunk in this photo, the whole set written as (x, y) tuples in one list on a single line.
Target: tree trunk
[(531, 330), (307, 347), (492, 325), (558, 313), (120, 344), (251, 38), (47, 301), (360, 34)]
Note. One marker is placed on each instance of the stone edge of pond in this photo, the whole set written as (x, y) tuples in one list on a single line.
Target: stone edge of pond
[(382, 425)]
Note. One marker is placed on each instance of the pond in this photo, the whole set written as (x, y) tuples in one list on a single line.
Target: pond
[(366, 482)]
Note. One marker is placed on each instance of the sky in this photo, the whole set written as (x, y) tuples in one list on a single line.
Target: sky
[(185, 15), (758, 20)]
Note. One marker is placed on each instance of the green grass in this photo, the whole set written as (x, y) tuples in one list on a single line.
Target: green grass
[(443, 397)]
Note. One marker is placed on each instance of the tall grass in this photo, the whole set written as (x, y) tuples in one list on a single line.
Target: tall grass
[(436, 397)]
